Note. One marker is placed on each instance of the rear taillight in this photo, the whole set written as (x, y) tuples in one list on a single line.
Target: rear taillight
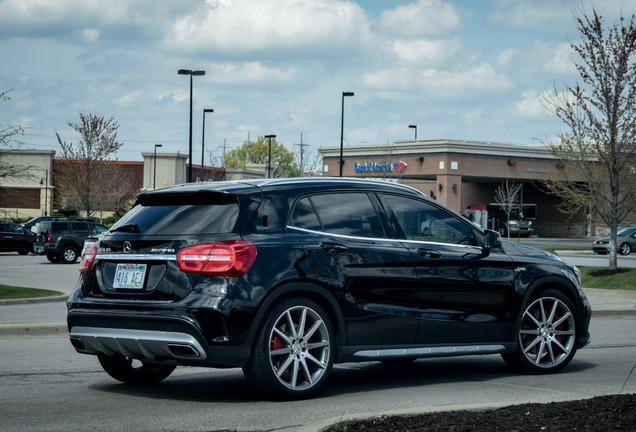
[(88, 259), (227, 258), (49, 238)]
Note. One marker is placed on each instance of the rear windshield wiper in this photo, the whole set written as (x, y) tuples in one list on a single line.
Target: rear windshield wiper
[(132, 227)]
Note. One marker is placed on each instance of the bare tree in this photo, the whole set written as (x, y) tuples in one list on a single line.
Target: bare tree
[(507, 195), (90, 172), (597, 152), (9, 141)]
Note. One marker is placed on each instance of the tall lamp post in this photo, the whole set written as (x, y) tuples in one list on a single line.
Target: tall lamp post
[(414, 127), (46, 193), (191, 73), (269, 158), (154, 169), (205, 110), (344, 94)]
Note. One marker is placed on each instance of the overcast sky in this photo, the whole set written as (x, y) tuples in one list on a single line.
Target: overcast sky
[(457, 69)]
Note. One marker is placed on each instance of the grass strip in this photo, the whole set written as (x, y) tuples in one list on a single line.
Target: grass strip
[(12, 292), (624, 279)]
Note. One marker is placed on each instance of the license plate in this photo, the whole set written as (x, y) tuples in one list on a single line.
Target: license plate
[(130, 276)]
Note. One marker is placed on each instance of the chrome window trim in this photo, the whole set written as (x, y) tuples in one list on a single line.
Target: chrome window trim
[(327, 234)]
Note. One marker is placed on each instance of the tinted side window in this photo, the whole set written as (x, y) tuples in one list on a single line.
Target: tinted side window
[(420, 220), (348, 214), (59, 228), (303, 216), (98, 229), (80, 229)]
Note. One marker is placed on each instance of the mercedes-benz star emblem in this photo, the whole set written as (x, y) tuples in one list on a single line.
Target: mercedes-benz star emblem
[(127, 247)]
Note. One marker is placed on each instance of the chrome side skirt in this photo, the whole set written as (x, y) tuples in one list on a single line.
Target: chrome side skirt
[(443, 351)]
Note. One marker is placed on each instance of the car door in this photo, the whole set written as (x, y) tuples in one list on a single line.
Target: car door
[(6, 238), (371, 275), (465, 292)]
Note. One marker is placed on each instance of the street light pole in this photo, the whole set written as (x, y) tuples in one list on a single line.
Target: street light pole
[(269, 159), (154, 169), (344, 94), (414, 127), (191, 73), (46, 193), (205, 110)]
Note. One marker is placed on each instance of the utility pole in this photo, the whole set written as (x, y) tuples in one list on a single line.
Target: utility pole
[(224, 147), (302, 150)]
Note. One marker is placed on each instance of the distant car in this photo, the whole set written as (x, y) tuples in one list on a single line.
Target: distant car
[(625, 242), (36, 220), (16, 238), (63, 240)]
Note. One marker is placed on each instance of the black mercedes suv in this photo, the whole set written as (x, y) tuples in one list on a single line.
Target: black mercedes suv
[(286, 277)]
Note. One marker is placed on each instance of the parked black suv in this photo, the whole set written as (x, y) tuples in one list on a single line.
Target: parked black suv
[(286, 277), (62, 240)]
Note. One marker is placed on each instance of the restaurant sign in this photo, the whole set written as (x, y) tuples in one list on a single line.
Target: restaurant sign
[(399, 166)]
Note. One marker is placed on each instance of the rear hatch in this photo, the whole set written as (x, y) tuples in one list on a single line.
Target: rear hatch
[(137, 258)]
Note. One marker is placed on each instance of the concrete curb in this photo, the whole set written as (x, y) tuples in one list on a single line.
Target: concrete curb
[(33, 330), (59, 298)]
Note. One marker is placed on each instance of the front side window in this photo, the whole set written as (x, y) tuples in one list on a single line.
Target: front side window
[(422, 221), (349, 213)]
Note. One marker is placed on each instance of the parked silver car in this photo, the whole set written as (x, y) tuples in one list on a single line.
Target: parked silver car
[(625, 242)]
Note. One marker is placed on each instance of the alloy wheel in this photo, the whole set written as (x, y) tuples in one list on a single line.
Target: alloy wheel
[(299, 348), (548, 332)]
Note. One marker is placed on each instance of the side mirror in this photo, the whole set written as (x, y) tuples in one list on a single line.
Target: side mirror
[(492, 239)]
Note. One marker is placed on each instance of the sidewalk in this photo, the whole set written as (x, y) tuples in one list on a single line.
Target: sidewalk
[(47, 317)]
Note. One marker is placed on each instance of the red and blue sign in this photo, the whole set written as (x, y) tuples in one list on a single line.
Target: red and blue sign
[(399, 166)]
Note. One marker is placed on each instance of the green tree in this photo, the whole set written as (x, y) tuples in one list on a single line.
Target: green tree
[(89, 170), (257, 152), (597, 152)]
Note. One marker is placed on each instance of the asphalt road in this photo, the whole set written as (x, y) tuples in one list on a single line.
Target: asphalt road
[(46, 386)]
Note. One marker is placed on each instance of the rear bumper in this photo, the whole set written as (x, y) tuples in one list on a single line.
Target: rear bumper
[(158, 338)]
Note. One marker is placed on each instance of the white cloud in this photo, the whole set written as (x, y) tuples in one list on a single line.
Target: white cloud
[(254, 26), (427, 53), (530, 105), (551, 15), (421, 18)]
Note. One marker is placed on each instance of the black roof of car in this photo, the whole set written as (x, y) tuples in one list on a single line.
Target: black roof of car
[(244, 186)]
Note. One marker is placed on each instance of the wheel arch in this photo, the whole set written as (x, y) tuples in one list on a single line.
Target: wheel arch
[(315, 292), (563, 285)]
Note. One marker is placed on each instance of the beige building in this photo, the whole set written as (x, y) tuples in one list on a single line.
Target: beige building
[(37, 194), (461, 173)]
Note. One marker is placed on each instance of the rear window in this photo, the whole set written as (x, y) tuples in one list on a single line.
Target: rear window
[(179, 214)]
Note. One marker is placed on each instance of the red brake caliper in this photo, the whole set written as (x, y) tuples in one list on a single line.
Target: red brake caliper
[(558, 328), (276, 343)]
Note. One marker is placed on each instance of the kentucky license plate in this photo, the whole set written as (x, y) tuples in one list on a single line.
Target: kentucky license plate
[(130, 276)]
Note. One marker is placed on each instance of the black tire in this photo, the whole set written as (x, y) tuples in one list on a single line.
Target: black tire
[(68, 255), (122, 369), (52, 258), (625, 249), (294, 349), (547, 334)]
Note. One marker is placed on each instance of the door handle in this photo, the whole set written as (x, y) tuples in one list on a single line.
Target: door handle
[(333, 247), (428, 253)]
